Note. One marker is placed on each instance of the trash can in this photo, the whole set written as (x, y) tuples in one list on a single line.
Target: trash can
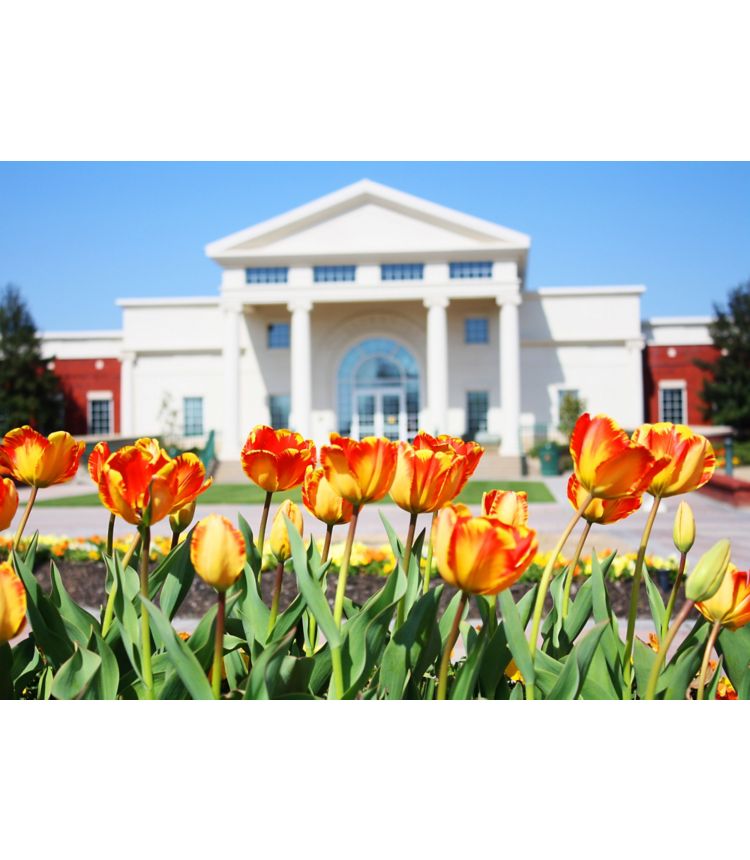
[(549, 456)]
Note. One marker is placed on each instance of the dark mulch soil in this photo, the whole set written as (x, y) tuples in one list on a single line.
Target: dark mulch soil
[(85, 583)]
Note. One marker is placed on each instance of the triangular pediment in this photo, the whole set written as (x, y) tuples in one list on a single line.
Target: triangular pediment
[(366, 219)]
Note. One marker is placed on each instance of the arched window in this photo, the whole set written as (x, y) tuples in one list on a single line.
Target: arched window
[(378, 390)]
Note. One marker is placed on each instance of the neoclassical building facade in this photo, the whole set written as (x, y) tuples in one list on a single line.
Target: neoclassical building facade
[(367, 311)]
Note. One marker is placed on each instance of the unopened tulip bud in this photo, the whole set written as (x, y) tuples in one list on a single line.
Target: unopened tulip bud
[(683, 533), (181, 519), (280, 545), (708, 574)]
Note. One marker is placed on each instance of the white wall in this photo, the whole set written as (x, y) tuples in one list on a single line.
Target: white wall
[(81, 344)]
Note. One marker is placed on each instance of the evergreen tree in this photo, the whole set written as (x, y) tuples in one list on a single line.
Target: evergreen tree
[(726, 392), (30, 392)]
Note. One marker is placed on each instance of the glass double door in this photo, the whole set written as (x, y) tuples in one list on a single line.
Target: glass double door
[(379, 412)]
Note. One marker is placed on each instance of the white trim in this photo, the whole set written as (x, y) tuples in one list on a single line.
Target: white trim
[(612, 290), (105, 396), (97, 334), (674, 385), (660, 321), (187, 301)]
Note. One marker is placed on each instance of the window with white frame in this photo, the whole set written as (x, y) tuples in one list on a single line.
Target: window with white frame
[(476, 330), (471, 269), (267, 275), (278, 335), (477, 407), (192, 416), (100, 418), (673, 401), (402, 271), (279, 406), (334, 273)]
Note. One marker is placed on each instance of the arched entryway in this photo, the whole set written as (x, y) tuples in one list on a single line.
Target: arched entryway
[(378, 390)]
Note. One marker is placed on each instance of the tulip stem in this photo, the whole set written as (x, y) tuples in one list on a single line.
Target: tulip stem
[(175, 540), (544, 584), (218, 647), (401, 609), (673, 596), (572, 570), (262, 531), (338, 673), (450, 644), (148, 679), (110, 535), (276, 597), (313, 629), (706, 657), (338, 606), (25, 518), (129, 554), (661, 654), (635, 593), (428, 562)]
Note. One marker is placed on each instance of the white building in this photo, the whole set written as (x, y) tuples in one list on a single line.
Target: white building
[(373, 311)]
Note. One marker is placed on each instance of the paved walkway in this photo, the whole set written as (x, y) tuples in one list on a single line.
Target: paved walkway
[(714, 520)]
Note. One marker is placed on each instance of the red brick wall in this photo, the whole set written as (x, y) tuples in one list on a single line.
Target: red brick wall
[(78, 377), (675, 362)]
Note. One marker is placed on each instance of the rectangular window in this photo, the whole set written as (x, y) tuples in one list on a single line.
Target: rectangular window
[(278, 336), (334, 273), (267, 275), (192, 412), (279, 405), (672, 402), (471, 269), (476, 330), (477, 405), (402, 271), (100, 415)]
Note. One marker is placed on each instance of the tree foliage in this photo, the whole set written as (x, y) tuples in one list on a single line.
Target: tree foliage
[(30, 392), (726, 390), (571, 408)]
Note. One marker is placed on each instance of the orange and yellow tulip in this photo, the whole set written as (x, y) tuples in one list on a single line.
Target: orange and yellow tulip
[(730, 605), (37, 460), (153, 451), (320, 499), (137, 486), (471, 452), (280, 545), (12, 603), (607, 463), (217, 552), (359, 472), (481, 555), (97, 458), (191, 479), (601, 511), (8, 502), (426, 479), (276, 459), (507, 506), (690, 458)]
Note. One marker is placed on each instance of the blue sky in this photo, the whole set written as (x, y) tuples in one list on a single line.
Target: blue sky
[(76, 236)]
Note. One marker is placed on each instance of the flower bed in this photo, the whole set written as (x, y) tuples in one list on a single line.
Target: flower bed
[(365, 559)]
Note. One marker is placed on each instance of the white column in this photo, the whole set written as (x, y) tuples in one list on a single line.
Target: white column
[(510, 376), (301, 364), (437, 363), (230, 436), (127, 400)]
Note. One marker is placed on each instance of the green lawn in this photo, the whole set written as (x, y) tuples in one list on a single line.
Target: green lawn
[(249, 494)]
